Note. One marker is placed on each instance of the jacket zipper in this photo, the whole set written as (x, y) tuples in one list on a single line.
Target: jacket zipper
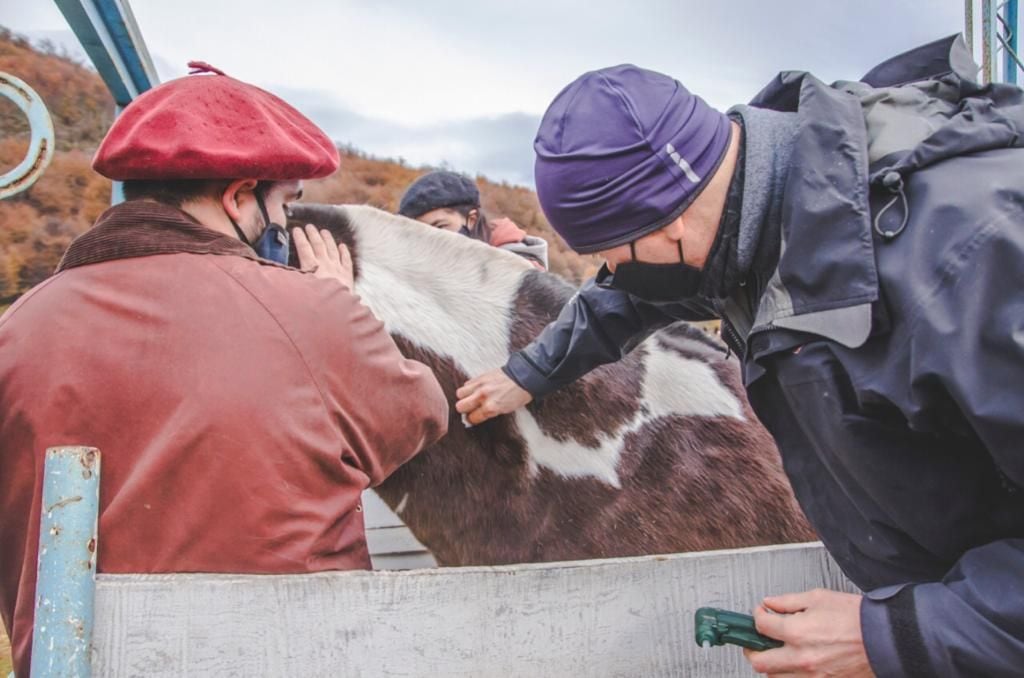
[(733, 340)]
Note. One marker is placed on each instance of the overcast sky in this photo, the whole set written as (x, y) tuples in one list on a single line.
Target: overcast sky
[(465, 81)]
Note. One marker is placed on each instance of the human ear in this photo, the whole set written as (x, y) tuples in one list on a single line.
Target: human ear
[(674, 230), (233, 196)]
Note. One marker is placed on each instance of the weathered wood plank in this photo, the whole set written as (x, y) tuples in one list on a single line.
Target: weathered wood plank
[(384, 541), (392, 545), (624, 617), (377, 514), (418, 560)]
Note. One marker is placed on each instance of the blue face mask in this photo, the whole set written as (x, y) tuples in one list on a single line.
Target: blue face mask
[(273, 242)]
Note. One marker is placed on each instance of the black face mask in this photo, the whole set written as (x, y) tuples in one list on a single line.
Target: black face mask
[(657, 282), (273, 241)]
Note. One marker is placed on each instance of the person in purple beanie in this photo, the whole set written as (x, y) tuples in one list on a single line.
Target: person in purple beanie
[(863, 245)]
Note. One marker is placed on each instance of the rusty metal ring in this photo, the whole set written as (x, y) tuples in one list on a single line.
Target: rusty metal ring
[(41, 146)]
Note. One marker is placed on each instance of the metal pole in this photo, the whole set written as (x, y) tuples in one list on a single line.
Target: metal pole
[(989, 24), (117, 187), (110, 36), (108, 32), (1010, 47), (66, 577), (969, 24)]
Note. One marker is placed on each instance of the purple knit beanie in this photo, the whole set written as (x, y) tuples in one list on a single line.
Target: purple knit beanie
[(622, 152)]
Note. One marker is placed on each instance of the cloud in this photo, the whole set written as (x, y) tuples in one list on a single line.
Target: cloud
[(499, 147)]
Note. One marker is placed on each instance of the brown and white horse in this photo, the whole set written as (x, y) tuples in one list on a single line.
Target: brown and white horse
[(658, 453)]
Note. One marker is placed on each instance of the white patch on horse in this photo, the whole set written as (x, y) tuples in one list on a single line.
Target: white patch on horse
[(570, 459), (684, 386), (672, 385), (464, 313)]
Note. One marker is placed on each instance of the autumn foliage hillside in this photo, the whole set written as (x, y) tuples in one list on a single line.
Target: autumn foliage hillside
[(37, 225)]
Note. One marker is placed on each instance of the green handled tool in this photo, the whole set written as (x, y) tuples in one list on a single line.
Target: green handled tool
[(718, 627)]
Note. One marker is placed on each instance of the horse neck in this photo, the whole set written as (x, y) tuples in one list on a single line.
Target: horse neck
[(441, 291)]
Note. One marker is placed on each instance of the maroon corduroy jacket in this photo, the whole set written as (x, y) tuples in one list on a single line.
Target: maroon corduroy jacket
[(240, 407)]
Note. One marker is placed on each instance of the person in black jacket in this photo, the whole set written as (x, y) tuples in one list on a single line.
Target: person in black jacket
[(863, 244)]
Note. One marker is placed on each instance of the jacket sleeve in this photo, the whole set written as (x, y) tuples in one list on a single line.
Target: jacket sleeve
[(386, 407), (599, 325), (969, 624), (970, 339)]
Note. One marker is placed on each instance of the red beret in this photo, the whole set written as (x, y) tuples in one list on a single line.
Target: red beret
[(213, 127)]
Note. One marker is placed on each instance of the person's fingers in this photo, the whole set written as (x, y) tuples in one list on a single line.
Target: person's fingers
[(790, 602), (330, 249), (344, 256), (770, 624), (481, 414), (470, 403), (468, 388), (777, 662), (316, 241), (302, 247)]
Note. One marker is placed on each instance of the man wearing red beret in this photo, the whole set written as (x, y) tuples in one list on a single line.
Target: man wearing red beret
[(241, 406)]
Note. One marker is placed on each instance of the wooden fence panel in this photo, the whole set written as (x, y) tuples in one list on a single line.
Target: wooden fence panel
[(623, 617)]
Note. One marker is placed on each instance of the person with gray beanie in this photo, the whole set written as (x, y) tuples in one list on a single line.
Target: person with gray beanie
[(451, 201), (863, 245)]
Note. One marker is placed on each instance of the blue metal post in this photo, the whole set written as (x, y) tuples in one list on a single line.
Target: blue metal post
[(117, 187), (1010, 64), (111, 37), (66, 578), (116, 192)]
